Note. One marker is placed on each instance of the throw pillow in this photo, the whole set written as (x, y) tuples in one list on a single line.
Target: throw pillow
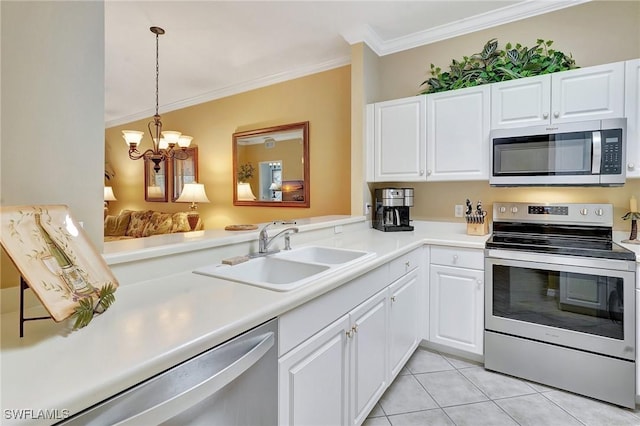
[(180, 222), (116, 226), (158, 223), (138, 222)]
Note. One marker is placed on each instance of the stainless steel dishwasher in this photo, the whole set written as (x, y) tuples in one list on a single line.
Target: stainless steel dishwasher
[(235, 383)]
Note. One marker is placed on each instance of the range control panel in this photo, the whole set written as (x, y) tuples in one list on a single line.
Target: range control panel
[(567, 213), (555, 210)]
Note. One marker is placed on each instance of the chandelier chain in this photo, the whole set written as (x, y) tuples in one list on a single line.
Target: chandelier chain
[(156, 154), (157, 73)]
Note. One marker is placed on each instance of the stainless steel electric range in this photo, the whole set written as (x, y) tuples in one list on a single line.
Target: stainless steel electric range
[(559, 299)]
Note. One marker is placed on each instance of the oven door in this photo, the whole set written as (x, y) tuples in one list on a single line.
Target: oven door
[(576, 302)]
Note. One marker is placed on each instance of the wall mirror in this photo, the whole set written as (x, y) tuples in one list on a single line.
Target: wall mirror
[(155, 183), (184, 171), (271, 166)]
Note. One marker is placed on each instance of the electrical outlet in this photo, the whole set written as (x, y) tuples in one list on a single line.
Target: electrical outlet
[(458, 210)]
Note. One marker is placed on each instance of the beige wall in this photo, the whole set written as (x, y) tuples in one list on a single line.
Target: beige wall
[(594, 33), (322, 99), (52, 111)]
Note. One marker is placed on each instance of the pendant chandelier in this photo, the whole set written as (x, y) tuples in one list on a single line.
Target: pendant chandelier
[(164, 143)]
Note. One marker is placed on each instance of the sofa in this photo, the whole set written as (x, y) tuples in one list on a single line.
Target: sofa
[(145, 223)]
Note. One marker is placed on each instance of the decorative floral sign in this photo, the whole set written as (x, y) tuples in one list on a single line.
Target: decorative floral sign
[(57, 260)]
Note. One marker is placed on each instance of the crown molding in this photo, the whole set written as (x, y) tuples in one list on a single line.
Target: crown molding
[(366, 34), (483, 21), (234, 90)]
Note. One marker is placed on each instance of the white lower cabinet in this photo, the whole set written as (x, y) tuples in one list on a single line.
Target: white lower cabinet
[(336, 376), (368, 343), (313, 379), (403, 320), (456, 299)]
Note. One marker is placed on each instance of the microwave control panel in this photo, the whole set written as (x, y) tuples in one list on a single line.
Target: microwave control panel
[(612, 155)]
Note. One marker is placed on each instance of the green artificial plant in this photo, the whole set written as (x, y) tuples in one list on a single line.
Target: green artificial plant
[(493, 65)]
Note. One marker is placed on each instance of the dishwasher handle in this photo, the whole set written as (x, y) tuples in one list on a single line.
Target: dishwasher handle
[(181, 402)]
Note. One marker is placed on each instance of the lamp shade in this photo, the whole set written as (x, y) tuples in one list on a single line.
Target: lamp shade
[(171, 137), (244, 192), (193, 193), (132, 137), (108, 194), (184, 141)]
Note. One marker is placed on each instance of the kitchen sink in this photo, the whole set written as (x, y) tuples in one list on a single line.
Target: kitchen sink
[(324, 255), (287, 270)]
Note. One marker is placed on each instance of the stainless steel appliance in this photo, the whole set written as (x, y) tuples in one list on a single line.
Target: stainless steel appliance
[(391, 211), (559, 299), (235, 383), (583, 153)]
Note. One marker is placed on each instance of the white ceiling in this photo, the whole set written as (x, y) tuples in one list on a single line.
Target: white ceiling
[(214, 49)]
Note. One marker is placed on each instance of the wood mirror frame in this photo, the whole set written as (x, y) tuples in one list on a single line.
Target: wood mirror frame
[(282, 169)]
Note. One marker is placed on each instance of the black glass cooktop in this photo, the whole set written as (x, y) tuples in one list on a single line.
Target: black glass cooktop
[(562, 240)]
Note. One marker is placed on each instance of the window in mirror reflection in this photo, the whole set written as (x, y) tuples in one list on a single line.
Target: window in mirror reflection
[(184, 171), (155, 183), (279, 158)]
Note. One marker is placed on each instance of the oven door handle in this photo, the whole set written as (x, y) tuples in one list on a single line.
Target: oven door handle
[(585, 262), (597, 153)]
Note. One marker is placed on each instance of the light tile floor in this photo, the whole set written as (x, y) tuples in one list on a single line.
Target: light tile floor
[(440, 389)]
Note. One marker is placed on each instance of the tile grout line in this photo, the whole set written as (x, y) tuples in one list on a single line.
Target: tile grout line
[(534, 390), (480, 390)]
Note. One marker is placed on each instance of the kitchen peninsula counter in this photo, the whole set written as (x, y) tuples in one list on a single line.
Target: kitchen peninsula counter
[(159, 322)]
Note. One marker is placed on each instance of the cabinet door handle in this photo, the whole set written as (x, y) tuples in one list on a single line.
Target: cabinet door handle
[(355, 328), (631, 166), (393, 298), (429, 172), (545, 115), (407, 264), (479, 284), (455, 258), (556, 114), (349, 333), (421, 172)]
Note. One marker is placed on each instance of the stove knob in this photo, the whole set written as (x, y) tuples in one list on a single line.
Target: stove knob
[(514, 210), (584, 212), (503, 209), (599, 212)]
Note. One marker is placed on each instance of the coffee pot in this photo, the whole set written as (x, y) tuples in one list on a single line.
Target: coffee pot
[(391, 211)]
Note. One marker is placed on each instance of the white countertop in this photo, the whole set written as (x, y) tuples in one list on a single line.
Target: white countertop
[(158, 323)]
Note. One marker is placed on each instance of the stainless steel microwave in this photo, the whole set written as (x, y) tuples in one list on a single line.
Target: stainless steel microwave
[(588, 153)]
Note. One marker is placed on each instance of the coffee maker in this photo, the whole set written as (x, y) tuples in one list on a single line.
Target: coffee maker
[(391, 211)]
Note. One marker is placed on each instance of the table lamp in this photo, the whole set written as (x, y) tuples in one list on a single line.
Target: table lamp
[(193, 193)]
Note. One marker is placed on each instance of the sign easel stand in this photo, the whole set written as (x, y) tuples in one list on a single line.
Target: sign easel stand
[(23, 287)]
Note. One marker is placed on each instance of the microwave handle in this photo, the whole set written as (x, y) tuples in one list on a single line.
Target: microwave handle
[(597, 153)]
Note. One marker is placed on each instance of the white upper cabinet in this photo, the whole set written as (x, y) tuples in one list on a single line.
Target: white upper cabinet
[(399, 137), (591, 93), (632, 112), (458, 125), (523, 102)]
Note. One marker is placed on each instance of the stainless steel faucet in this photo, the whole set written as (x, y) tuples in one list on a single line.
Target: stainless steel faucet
[(264, 241)]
